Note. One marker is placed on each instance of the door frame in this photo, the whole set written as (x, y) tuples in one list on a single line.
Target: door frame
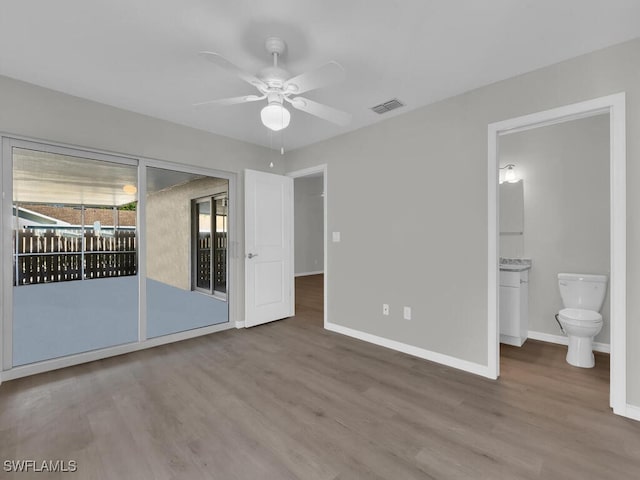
[(305, 172), (614, 105)]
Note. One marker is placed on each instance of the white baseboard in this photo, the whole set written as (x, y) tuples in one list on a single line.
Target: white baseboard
[(562, 340), (447, 360), (632, 412), (306, 274), (240, 324), (509, 340)]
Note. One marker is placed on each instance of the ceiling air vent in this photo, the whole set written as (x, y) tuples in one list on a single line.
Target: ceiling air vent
[(387, 106)]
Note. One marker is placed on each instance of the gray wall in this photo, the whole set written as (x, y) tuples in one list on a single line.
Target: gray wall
[(431, 163), (39, 113), (309, 224), (565, 169)]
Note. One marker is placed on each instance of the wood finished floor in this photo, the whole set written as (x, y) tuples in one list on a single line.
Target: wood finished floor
[(289, 400)]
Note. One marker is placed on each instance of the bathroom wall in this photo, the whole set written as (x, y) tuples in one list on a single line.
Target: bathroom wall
[(309, 225), (565, 168)]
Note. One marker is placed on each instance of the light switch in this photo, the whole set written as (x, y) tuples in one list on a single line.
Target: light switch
[(336, 237)]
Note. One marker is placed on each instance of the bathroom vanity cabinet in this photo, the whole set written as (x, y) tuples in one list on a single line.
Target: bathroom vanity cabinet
[(514, 306)]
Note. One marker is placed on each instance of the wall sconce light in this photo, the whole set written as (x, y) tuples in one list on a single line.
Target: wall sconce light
[(509, 174)]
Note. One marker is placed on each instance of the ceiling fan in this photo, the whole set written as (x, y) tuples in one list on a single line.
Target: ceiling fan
[(277, 86)]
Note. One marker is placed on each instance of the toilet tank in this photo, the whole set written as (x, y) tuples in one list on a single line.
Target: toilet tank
[(582, 291)]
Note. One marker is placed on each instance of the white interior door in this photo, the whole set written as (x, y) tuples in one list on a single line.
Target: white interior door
[(268, 247)]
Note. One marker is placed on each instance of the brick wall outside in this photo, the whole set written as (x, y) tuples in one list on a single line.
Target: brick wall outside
[(73, 215)]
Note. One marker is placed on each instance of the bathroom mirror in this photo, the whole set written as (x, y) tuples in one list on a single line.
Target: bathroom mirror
[(512, 207)]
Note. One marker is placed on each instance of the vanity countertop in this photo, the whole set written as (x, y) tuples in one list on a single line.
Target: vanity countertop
[(515, 264)]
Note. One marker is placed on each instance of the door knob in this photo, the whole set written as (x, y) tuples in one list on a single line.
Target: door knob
[(251, 255)]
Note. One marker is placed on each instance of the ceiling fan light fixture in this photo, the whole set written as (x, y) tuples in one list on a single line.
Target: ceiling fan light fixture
[(275, 117)]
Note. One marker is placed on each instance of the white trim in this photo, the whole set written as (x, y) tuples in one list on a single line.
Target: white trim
[(493, 330), (182, 167), (240, 324), (63, 362), (306, 172), (447, 360), (562, 340), (306, 274), (6, 254), (614, 105), (513, 341), (631, 411), (325, 188), (141, 227)]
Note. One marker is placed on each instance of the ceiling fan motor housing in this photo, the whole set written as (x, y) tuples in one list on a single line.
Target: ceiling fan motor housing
[(274, 98), (275, 45)]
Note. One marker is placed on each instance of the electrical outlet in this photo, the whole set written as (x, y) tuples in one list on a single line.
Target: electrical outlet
[(385, 309), (407, 313)]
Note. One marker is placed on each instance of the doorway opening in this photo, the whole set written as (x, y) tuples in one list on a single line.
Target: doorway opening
[(554, 222), (614, 106), (310, 241)]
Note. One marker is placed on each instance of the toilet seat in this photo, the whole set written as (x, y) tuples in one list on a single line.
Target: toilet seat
[(579, 317)]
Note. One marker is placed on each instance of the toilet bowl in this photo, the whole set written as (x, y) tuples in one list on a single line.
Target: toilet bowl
[(581, 326), (582, 296)]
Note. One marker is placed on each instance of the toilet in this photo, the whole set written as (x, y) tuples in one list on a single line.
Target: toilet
[(582, 296)]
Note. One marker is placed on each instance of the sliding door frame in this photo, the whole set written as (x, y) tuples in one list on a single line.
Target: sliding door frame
[(8, 142)]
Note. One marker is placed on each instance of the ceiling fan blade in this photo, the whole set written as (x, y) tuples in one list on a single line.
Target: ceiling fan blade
[(231, 101), (325, 75), (230, 67), (323, 111)]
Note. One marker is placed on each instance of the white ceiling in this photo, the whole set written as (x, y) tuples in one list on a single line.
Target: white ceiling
[(141, 55)]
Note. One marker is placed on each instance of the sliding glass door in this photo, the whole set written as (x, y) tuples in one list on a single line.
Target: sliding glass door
[(72, 253)]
